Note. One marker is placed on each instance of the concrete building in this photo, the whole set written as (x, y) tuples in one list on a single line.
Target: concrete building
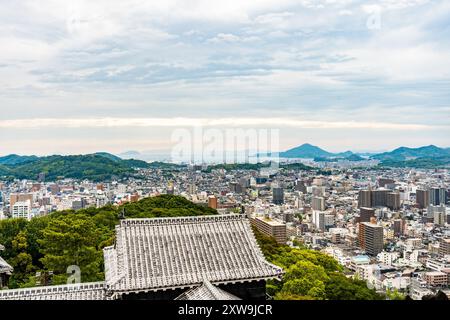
[(422, 198), (271, 228), (371, 238), (444, 247), (393, 200), (318, 203), (21, 209), (278, 195), (212, 202), (365, 214)]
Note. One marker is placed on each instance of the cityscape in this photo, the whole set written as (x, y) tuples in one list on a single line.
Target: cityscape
[(184, 153), (386, 226)]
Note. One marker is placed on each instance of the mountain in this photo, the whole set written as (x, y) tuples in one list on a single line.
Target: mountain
[(405, 153), (306, 151), (354, 157), (108, 156), (13, 159), (96, 167)]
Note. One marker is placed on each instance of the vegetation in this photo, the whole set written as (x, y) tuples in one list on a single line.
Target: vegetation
[(258, 166), (310, 275), (50, 244), (421, 163), (96, 167)]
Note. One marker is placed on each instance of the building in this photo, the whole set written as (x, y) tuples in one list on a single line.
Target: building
[(21, 209), (373, 198), (366, 214), (440, 217), (20, 197), (379, 197), (318, 203), (365, 198), (393, 201), (422, 198), (437, 196), (399, 226), (271, 228), (278, 195), (173, 258), (212, 202), (382, 182), (436, 279), (371, 238), (318, 219), (5, 271), (444, 247), (433, 210)]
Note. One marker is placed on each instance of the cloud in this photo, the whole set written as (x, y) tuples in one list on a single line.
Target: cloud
[(288, 59), (205, 122)]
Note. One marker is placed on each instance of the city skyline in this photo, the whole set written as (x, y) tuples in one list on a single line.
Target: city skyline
[(78, 77)]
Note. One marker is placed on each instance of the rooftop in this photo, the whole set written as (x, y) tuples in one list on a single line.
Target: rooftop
[(152, 254)]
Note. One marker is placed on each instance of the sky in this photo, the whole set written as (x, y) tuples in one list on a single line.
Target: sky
[(86, 76)]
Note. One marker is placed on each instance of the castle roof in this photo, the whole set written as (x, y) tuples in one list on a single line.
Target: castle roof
[(207, 291), (161, 253)]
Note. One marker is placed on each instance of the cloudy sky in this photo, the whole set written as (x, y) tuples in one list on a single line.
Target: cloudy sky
[(86, 76)]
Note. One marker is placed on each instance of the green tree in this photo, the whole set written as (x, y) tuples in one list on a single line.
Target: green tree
[(68, 240), (22, 261)]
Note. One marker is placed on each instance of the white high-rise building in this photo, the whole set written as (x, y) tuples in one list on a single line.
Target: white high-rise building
[(21, 209)]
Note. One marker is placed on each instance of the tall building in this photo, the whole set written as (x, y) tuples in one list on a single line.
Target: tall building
[(393, 200), (318, 203), (21, 209), (383, 182), (379, 198), (20, 197), (300, 186), (399, 227), (278, 195), (437, 196), (365, 198), (371, 238), (271, 228), (365, 214), (422, 198), (212, 202), (318, 219), (444, 247)]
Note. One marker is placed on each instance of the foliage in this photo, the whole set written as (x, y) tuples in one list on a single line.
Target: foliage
[(423, 163), (65, 238), (96, 167), (310, 275)]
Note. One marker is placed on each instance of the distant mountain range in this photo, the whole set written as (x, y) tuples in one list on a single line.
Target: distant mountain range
[(97, 167), (103, 166), (308, 151), (404, 153)]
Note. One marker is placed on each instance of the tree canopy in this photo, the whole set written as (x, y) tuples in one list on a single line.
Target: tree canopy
[(310, 275), (50, 244)]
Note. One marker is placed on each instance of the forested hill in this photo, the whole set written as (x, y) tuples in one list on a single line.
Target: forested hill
[(96, 167), (61, 239)]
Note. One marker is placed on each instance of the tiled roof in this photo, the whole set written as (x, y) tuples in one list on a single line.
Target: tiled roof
[(206, 291), (152, 254), (5, 267), (81, 291)]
